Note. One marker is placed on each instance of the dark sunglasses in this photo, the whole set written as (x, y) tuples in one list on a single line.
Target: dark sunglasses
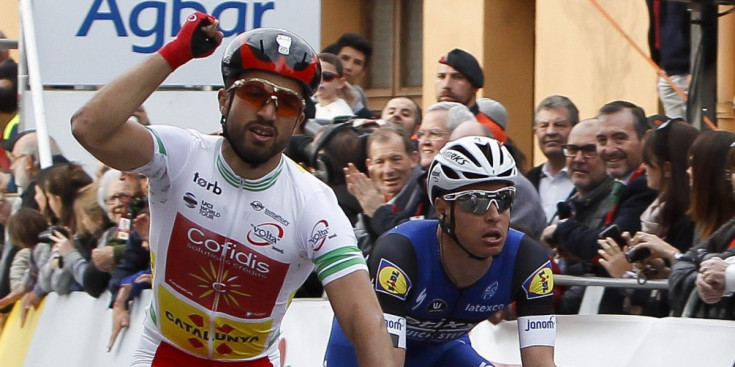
[(478, 201), (588, 150), (328, 77), (258, 93)]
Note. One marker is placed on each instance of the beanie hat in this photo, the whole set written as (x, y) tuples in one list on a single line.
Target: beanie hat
[(466, 65), (494, 110)]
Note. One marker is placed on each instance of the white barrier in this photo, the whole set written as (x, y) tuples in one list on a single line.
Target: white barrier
[(73, 331)]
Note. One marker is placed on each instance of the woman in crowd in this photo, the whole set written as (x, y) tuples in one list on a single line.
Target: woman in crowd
[(60, 186), (692, 294), (665, 221), (24, 228)]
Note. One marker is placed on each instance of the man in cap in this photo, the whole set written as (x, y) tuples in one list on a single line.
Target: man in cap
[(458, 77)]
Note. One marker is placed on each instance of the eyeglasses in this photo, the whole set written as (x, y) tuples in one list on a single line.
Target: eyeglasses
[(588, 150), (258, 93), (431, 134), (328, 77), (478, 201), (122, 197)]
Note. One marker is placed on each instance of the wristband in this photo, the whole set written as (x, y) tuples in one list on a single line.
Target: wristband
[(191, 42), (537, 330)]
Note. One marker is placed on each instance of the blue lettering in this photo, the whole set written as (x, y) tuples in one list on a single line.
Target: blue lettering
[(261, 8), (157, 29), (178, 7), (240, 13), (95, 14)]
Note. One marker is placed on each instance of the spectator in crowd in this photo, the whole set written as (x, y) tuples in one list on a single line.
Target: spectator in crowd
[(8, 66), (713, 211), (588, 205), (61, 184), (354, 51), (440, 119), (554, 118), (458, 78), (92, 224), (496, 112), (403, 111), (335, 148), (665, 157), (669, 41), (388, 195), (9, 115), (527, 214), (24, 228), (622, 126), (329, 105)]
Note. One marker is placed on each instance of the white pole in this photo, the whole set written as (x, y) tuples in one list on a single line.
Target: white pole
[(34, 77)]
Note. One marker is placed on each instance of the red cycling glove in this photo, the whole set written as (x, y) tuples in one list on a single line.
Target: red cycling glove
[(191, 42)]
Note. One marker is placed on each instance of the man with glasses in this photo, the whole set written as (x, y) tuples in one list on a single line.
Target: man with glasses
[(619, 141), (236, 227), (437, 279), (554, 118), (589, 204)]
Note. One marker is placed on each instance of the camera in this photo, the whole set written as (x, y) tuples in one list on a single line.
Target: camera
[(137, 206), (637, 254), (613, 231), (45, 236)]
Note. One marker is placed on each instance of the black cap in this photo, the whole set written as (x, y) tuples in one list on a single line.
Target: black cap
[(9, 144), (466, 64)]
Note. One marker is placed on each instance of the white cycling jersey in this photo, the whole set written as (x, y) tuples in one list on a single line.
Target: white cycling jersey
[(228, 254)]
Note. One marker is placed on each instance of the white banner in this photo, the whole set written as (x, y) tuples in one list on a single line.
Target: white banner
[(91, 42)]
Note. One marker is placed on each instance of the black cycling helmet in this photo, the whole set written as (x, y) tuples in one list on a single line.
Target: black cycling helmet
[(275, 50)]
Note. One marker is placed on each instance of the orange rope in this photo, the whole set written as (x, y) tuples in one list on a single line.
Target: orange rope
[(653, 64)]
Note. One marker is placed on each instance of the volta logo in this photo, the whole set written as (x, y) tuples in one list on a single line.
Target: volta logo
[(265, 234), (209, 186), (319, 234), (190, 200)]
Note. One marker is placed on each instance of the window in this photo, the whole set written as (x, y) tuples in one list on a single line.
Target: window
[(395, 30)]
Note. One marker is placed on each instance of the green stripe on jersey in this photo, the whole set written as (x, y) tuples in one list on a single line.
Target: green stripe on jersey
[(250, 185), (338, 260), (161, 147)]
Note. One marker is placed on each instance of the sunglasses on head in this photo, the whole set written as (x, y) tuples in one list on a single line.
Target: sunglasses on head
[(478, 201), (328, 77), (258, 93)]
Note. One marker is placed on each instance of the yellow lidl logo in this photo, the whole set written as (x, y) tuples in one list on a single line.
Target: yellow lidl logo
[(540, 283), (392, 280)]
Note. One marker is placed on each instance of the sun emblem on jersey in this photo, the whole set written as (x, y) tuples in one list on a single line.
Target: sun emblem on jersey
[(225, 287)]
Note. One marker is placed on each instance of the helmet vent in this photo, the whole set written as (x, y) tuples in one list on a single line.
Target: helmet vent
[(461, 150), (473, 176), (449, 173), (262, 48)]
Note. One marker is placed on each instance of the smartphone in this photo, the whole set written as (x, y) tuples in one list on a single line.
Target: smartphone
[(613, 231)]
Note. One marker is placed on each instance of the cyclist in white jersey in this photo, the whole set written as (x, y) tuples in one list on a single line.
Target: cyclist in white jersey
[(236, 227)]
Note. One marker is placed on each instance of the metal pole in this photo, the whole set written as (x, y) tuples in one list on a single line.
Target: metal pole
[(567, 280), (34, 73)]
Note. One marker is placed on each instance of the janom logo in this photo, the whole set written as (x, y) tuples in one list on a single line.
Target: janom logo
[(265, 234)]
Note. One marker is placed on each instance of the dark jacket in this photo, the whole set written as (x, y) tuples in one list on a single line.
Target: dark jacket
[(534, 175), (669, 37), (581, 240), (684, 272)]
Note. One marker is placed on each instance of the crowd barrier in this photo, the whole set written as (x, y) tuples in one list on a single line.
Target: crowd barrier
[(73, 331)]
